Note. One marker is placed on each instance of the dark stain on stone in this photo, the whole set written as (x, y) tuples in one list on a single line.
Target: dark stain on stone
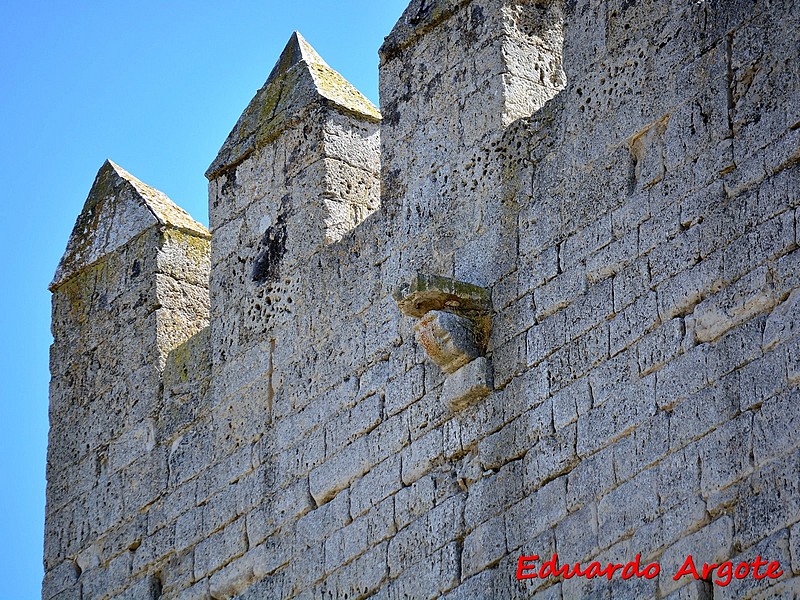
[(229, 185), (422, 12), (478, 18), (632, 174), (273, 248)]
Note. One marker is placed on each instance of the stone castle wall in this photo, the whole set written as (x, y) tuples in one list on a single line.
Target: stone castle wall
[(251, 414)]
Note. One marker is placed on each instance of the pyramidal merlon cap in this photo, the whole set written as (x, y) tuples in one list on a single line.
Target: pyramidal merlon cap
[(119, 208), (300, 78)]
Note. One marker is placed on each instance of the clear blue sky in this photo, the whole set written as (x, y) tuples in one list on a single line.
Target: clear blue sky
[(155, 86)]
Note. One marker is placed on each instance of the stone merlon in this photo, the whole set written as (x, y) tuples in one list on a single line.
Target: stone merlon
[(119, 208), (300, 78)]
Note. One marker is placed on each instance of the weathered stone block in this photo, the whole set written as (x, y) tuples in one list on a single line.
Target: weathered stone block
[(545, 338), (626, 508), (642, 447), (509, 360), (682, 377), (744, 299), (628, 408), (769, 500), (360, 578), (236, 576), (492, 494), (420, 456), (630, 283), (559, 292), (535, 513), (413, 501), (590, 479), (794, 546), (611, 259), (652, 537), (590, 309), (633, 323), (220, 548), (515, 438), (449, 340), (700, 413), (424, 536), (354, 539), (434, 580), (468, 384), (388, 438), (380, 482), (553, 456), (678, 295), (483, 547), (725, 454), (783, 322), (59, 578), (578, 358), (576, 535), (339, 471), (774, 548)]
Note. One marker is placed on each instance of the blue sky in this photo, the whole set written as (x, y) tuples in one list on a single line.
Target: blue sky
[(155, 86)]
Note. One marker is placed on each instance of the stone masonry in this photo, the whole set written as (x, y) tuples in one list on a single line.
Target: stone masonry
[(546, 300)]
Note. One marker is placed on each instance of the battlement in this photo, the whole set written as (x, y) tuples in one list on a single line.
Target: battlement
[(513, 313), (299, 79), (119, 208)]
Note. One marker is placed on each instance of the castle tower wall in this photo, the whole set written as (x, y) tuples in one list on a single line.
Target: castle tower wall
[(632, 246), (297, 174), (132, 286), (657, 255), (453, 76)]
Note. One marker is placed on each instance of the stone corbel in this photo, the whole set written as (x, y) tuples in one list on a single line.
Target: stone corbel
[(454, 320)]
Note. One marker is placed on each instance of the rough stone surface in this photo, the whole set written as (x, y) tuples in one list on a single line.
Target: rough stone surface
[(468, 384), (448, 340), (257, 420)]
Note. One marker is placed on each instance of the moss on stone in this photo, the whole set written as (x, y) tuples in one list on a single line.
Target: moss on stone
[(299, 80)]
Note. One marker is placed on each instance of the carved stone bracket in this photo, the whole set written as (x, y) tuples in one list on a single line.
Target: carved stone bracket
[(454, 322)]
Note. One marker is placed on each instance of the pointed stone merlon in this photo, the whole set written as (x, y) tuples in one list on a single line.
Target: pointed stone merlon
[(299, 170), (453, 327), (453, 75), (131, 288), (308, 144), (299, 79), (508, 51), (119, 208), (132, 250)]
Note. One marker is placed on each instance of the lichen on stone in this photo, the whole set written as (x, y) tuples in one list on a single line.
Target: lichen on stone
[(300, 79)]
